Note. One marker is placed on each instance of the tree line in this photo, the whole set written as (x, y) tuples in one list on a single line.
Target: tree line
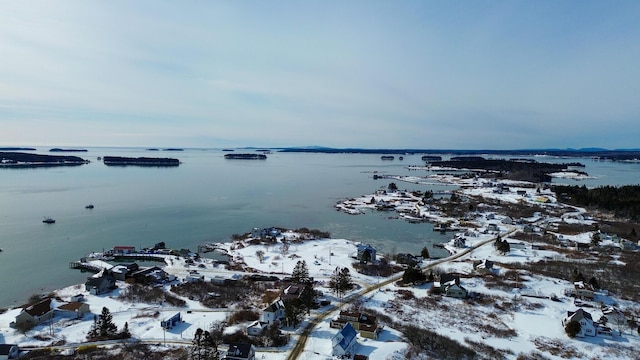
[(623, 201)]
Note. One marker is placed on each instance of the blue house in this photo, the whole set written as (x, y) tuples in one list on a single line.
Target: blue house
[(171, 322), (366, 248), (344, 342)]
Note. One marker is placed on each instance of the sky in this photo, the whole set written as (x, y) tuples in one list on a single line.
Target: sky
[(371, 74)]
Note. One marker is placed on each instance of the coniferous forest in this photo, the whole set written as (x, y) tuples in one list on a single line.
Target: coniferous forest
[(623, 201)]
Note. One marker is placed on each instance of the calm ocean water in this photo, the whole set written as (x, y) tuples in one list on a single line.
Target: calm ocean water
[(205, 199)]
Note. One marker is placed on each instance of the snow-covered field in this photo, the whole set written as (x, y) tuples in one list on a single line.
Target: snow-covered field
[(516, 321)]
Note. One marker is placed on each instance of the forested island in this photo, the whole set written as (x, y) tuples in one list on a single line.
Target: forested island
[(139, 161), (67, 150), (25, 160), (246, 156)]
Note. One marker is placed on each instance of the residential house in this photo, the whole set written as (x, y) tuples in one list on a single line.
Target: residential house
[(460, 242), (493, 227), (256, 328), (587, 326), (73, 310), (344, 342), (102, 283), (583, 290), (507, 220), (274, 312), (121, 250), (35, 314), (484, 267), (517, 245), (365, 324), (366, 248), (291, 292), (451, 289), (9, 351), (240, 351), (406, 259)]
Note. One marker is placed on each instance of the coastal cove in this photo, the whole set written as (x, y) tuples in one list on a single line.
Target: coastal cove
[(205, 199)]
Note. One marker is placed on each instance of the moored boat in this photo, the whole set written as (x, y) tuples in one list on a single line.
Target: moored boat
[(48, 220)]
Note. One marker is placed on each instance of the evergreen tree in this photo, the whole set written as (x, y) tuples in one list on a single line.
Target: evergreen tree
[(293, 311), (308, 296), (424, 253), (203, 348), (572, 328), (340, 281), (105, 326), (595, 239), (413, 275), (125, 333), (366, 257), (300, 273), (346, 283)]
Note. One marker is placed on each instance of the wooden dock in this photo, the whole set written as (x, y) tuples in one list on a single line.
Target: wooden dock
[(85, 266)]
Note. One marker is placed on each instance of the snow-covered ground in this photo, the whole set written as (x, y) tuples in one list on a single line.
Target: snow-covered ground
[(515, 320)]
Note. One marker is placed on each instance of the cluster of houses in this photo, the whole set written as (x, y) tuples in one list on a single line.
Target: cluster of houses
[(584, 293), (46, 309)]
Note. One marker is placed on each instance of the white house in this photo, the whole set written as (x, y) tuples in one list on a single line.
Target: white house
[(587, 326), (256, 328), (274, 312)]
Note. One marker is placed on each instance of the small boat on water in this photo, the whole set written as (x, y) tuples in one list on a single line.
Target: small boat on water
[(48, 220), (90, 206)]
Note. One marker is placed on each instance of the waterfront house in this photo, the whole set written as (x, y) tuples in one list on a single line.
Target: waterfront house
[(73, 310), (9, 351), (344, 342), (104, 282), (274, 312), (240, 351), (121, 250), (587, 326), (366, 248), (35, 314)]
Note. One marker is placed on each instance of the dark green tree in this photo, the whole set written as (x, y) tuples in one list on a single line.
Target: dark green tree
[(202, 348), (366, 257), (595, 239), (300, 273), (106, 328), (424, 253), (413, 275), (572, 328), (308, 297), (125, 333), (294, 311), (594, 282)]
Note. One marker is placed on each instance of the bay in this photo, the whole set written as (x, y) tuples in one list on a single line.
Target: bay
[(206, 199)]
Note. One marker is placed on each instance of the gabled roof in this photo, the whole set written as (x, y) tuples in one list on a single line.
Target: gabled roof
[(578, 315), (39, 308), (275, 306), (348, 334), (239, 350), (72, 306)]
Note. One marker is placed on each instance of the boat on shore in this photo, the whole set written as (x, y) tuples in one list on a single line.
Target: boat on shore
[(48, 220)]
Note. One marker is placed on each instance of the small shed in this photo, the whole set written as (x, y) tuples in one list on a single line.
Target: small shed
[(171, 322)]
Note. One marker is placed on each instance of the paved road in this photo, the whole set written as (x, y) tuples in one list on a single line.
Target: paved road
[(302, 340)]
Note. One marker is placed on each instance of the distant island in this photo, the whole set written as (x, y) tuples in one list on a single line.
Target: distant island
[(17, 149), (173, 149), (67, 150), (140, 161), (25, 160), (602, 154), (246, 156)]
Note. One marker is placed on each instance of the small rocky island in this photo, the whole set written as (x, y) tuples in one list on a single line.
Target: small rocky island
[(25, 160), (246, 156), (140, 161), (67, 150)]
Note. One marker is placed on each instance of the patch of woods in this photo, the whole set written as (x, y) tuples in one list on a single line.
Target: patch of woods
[(138, 293), (623, 201)]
